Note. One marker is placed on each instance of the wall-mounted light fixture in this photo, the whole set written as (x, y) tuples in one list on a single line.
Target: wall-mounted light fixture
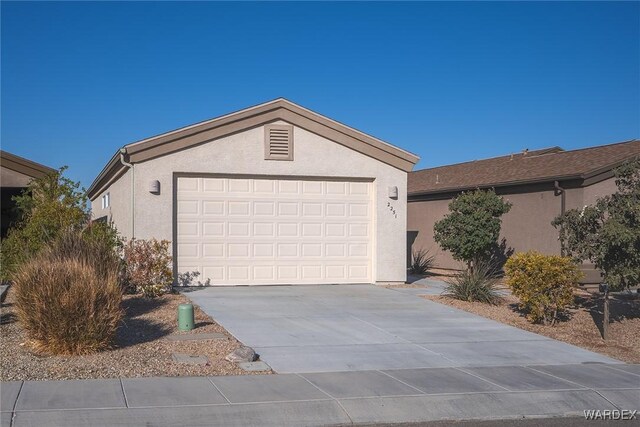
[(154, 187), (393, 192)]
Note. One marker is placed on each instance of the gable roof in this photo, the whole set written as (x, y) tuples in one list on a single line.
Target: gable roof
[(24, 166), (545, 165), (278, 109)]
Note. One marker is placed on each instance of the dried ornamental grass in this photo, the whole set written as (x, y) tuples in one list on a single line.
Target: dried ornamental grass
[(66, 308)]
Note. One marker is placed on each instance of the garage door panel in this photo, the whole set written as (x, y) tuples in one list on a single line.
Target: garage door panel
[(212, 207), (212, 250), (264, 208), (270, 231), (188, 228), (189, 207), (238, 229)]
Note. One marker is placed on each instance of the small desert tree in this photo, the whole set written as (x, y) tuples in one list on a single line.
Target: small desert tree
[(51, 205), (471, 229), (607, 234)]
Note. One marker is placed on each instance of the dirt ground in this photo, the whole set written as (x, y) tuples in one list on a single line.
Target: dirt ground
[(141, 350), (581, 327)]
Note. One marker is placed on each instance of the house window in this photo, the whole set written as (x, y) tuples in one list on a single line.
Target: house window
[(278, 142), (106, 200)]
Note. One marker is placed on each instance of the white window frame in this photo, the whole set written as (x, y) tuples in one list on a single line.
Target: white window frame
[(106, 200)]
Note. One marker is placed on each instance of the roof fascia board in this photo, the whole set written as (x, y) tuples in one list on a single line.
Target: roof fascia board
[(24, 166), (111, 169), (607, 168), (255, 116), (279, 109), (497, 185)]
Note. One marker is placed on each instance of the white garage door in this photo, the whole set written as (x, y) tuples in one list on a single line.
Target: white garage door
[(275, 231)]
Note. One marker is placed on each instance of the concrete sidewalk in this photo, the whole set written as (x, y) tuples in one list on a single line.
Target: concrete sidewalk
[(330, 398)]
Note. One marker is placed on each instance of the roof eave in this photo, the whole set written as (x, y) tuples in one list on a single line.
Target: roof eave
[(278, 109), (496, 185)]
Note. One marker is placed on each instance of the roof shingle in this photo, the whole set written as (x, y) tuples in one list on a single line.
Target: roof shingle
[(533, 166)]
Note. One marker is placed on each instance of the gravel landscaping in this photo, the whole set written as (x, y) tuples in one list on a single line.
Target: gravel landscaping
[(144, 347), (580, 328)]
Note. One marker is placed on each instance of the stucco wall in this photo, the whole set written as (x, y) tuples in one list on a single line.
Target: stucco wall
[(593, 192), (119, 211), (11, 178), (421, 217), (527, 226), (243, 153)]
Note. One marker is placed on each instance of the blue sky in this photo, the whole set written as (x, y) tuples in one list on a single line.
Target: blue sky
[(448, 81)]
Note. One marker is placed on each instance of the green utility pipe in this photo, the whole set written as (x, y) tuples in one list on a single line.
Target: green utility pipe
[(185, 317)]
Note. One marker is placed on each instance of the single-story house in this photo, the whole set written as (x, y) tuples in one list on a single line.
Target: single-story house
[(540, 184), (273, 194), (15, 174)]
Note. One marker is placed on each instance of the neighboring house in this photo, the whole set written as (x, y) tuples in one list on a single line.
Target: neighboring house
[(16, 173), (273, 194), (540, 184)]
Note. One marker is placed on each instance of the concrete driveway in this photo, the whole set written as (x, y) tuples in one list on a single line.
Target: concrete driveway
[(328, 328)]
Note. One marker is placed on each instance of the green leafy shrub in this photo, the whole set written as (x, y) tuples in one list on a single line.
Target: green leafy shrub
[(474, 285), (471, 229), (421, 262), (50, 206), (543, 283), (148, 267), (68, 296)]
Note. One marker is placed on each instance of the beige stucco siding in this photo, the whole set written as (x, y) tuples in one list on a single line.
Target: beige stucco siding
[(243, 154), (119, 210)]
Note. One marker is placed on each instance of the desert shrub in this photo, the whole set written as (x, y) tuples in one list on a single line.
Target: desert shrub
[(148, 267), (421, 262), (477, 284), (68, 297), (543, 284)]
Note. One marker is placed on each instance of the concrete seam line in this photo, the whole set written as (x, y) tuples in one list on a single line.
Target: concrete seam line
[(605, 398), (13, 409), (318, 387), (483, 379), (610, 366), (435, 352), (557, 377), (124, 394), (219, 391), (467, 393), (581, 385), (400, 381), (333, 398)]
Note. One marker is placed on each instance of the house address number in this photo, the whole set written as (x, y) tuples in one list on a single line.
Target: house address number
[(392, 209)]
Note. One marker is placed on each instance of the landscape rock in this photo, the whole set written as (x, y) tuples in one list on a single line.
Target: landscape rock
[(242, 354)]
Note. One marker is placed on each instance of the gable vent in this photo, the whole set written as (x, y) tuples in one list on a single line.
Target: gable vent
[(278, 142)]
